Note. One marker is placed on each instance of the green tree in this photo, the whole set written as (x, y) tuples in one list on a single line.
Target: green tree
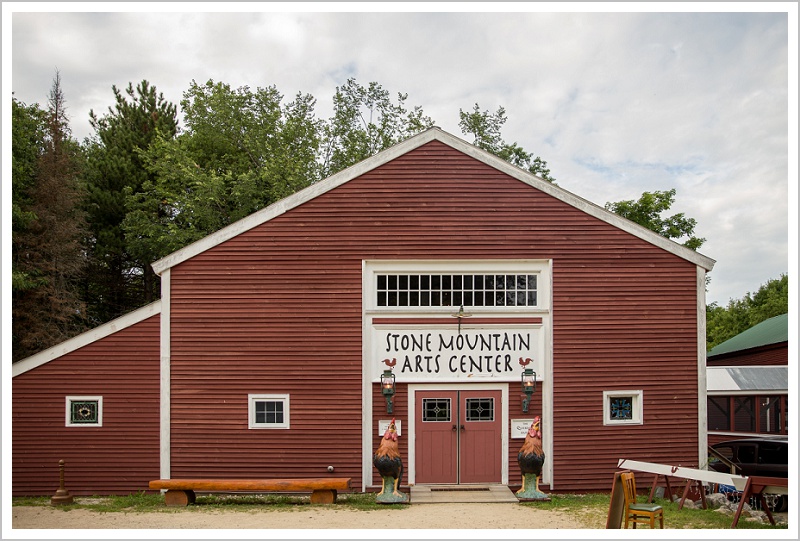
[(241, 151), (48, 228), (486, 127), (648, 210), (771, 299), (119, 281), (28, 132), (246, 133), (365, 122)]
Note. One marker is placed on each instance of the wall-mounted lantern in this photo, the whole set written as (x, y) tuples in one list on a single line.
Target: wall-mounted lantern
[(528, 387), (387, 388)]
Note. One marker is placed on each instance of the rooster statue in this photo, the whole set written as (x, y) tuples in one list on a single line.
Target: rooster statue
[(389, 464), (531, 460)]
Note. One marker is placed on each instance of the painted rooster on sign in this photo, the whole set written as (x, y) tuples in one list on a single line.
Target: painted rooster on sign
[(389, 464), (531, 460)]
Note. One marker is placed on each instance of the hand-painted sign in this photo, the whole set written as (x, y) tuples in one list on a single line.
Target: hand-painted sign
[(456, 354)]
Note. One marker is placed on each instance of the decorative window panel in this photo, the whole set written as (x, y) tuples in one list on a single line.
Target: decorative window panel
[(622, 408), (84, 411)]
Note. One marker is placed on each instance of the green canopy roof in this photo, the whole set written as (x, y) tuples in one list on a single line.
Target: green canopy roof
[(771, 331)]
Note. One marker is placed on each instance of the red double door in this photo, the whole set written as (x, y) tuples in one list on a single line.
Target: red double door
[(458, 437)]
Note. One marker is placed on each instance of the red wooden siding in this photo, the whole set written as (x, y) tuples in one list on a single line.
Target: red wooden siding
[(629, 326), (278, 309), (122, 455), (771, 355)]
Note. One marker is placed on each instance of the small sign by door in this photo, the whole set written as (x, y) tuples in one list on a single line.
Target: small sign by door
[(520, 427), (383, 426)]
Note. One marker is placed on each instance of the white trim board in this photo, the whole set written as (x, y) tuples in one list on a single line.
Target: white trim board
[(705, 476)]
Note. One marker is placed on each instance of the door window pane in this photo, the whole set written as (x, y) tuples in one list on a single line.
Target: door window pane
[(480, 409), (436, 410)]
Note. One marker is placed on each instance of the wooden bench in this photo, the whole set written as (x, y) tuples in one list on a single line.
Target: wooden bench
[(181, 492)]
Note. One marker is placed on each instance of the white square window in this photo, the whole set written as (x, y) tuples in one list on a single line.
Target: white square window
[(268, 411), (622, 408), (84, 411)]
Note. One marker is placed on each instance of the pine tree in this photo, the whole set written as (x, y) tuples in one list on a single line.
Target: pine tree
[(119, 282), (48, 258)]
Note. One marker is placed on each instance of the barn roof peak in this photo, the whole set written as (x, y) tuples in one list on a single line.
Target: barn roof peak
[(432, 134)]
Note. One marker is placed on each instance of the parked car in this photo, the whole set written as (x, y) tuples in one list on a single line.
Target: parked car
[(767, 457)]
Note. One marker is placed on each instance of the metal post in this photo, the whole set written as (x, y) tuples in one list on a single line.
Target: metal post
[(62, 495)]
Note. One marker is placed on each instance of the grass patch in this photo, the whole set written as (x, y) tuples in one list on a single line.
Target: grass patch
[(148, 502), (592, 510), (589, 509)]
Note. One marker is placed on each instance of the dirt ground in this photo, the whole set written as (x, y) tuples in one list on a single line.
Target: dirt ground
[(438, 516)]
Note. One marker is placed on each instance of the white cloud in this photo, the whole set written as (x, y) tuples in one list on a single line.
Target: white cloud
[(617, 103)]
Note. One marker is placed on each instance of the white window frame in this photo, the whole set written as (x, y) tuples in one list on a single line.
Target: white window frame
[(637, 407), (68, 403), (252, 399)]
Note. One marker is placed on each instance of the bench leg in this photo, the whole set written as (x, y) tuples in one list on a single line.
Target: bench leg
[(323, 496), (179, 498)]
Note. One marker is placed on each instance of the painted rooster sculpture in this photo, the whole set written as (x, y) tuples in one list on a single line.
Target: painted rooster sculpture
[(531, 460), (389, 464)]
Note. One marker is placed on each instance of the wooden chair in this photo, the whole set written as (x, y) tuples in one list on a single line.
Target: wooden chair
[(639, 513)]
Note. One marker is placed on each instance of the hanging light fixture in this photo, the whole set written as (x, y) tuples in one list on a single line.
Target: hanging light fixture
[(528, 387), (387, 388)]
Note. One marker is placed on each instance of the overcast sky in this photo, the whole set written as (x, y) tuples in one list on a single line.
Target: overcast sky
[(617, 103)]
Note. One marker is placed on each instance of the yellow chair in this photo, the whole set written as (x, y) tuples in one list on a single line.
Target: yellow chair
[(639, 513)]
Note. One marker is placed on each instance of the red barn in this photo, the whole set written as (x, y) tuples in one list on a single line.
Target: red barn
[(433, 260)]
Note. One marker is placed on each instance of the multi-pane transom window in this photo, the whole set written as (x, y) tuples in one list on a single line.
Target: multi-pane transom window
[(474, 290), (480, 409), (436, 410), (84, 411), (268, 411)]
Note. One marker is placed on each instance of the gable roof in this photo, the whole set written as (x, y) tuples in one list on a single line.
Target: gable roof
[(432, 134), (770, 331)]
